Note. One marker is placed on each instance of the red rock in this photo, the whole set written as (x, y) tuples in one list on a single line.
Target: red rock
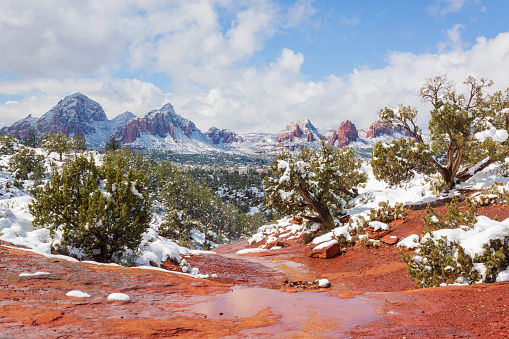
[(346, 133), (298, 129), (326, 252), (378, 128), (379, 234), (389, 239), (277, 243)]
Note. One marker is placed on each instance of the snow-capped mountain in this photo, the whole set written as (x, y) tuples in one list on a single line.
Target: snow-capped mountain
[(75, 114), (166, 130)]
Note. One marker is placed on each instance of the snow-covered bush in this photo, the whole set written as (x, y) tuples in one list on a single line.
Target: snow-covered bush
[(464, 255), (453, 218), (440, 262)]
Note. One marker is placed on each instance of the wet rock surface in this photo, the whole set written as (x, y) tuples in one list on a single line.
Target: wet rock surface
[(248, 297)]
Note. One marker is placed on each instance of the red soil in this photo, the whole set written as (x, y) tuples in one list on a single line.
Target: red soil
[(378, 296)]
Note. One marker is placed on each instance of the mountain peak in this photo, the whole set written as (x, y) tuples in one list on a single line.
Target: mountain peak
[(300, 129)]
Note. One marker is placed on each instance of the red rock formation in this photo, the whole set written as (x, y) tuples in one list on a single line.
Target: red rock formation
[(333, 139), (346, 133), (378, 128), (289, 134), (157, 124)]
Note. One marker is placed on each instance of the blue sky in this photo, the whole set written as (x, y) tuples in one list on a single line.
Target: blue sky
[(245, 65)]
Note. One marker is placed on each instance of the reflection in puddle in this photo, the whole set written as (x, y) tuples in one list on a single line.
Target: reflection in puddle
[(300, 312)]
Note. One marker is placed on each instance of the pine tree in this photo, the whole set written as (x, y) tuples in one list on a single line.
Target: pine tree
[(26, 164)]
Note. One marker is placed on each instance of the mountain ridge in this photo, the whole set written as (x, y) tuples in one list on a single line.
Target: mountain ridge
[(164, 129)]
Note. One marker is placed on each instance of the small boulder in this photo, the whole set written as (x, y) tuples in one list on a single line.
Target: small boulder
[(326, 252), (379, 234), (390, 239)]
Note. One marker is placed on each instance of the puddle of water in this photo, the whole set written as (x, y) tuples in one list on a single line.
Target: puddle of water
[(316, 313)]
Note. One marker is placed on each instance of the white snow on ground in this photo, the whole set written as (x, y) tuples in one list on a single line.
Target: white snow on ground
[(252, 250), (16, 221), (36, 274), (119, 296), (410, 242), (77, 294)]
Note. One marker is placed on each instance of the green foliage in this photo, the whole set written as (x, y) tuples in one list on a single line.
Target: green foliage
[(386, 213), (7, 144), (455, 118), (58, 143), (438, 186), (453, 218), (495, 257), (177, 225), (398, 162), (78, 143), (442, 262), (32, 140), (26, 164), (100, 210), (190, 199), (314, 185), (436, 264), (113, 143)]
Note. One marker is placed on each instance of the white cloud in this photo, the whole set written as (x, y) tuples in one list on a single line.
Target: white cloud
[(213, 82), (266, 99), (444, 7)]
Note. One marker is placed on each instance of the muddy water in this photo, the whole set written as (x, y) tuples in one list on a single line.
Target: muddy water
[(312, 314)]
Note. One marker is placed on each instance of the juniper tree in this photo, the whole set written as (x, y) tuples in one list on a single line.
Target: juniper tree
[(465, 128), (101, 211), (56, 142), (113, 143), (314, 185), (26, 164), (78, 143)]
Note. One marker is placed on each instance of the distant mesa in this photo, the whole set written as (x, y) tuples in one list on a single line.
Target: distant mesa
[(161, 123)]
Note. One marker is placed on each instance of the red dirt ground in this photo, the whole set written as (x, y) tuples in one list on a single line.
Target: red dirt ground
[(163, 303)]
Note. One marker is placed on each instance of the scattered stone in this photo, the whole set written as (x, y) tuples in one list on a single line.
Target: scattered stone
[(308, 285), (326, 252), (390, 239), (378, 234)]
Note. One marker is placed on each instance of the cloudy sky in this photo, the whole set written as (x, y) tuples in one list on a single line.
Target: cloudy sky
[(246, 65)]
